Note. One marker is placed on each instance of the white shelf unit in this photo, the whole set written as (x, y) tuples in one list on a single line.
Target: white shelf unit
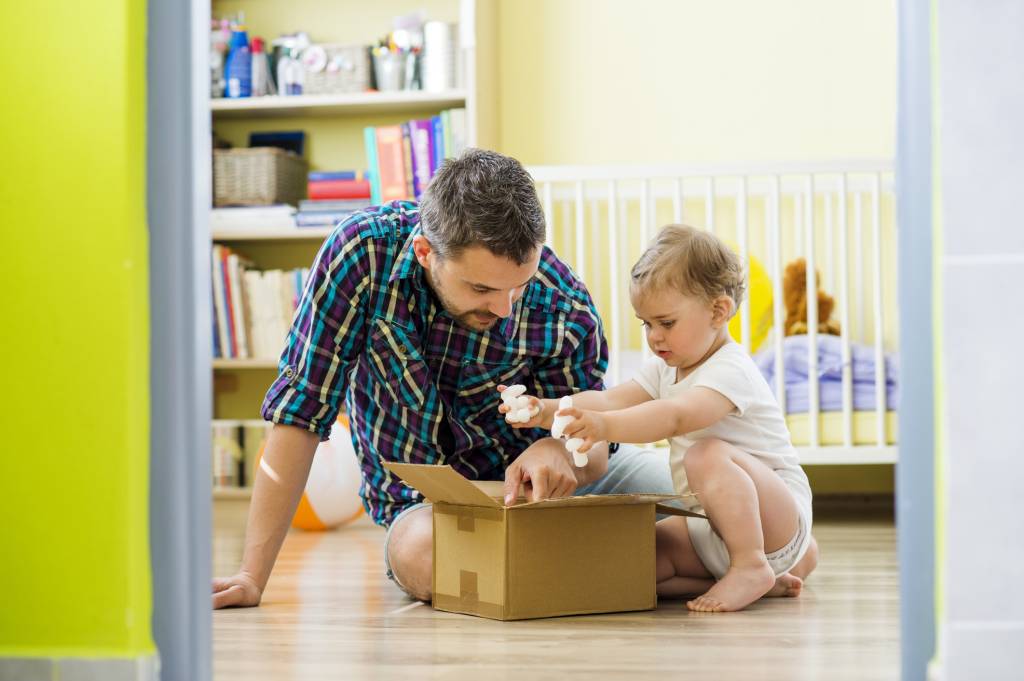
[(476, 92), (337, 105)]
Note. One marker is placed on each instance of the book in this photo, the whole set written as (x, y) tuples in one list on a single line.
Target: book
[(279, 216), (422, 144), (220, 309), (338, 189), (235, 268), (391, 163), (372, 163), (322, 175), (410, 189), (437, 149), (331, 205)]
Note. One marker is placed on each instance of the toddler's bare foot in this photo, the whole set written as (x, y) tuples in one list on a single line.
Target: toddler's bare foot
[(741, 586), (787, 585)]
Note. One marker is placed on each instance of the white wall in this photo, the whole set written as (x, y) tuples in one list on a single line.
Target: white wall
[(981, 270)]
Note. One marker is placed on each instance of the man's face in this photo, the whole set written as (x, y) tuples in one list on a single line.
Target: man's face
[(477, 288)]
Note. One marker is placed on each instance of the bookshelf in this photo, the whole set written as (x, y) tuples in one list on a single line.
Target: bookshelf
[(338, 105), (334, 137)]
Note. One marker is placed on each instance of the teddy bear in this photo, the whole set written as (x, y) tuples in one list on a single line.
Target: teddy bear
[(794, 286)]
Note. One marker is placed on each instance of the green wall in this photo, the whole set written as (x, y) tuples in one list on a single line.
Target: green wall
[(74, 411)]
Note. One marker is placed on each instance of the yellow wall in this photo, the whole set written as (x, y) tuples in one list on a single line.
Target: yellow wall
[(606, 81), (74, 411)]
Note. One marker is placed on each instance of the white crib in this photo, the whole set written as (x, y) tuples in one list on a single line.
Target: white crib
[(839, 216)]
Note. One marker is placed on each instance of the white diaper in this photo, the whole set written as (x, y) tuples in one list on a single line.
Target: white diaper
[(713, 553)]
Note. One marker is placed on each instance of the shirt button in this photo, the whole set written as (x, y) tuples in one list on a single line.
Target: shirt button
[(402, 349), (288, 373)]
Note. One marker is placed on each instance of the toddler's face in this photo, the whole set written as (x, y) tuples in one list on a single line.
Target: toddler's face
[(679, 328)]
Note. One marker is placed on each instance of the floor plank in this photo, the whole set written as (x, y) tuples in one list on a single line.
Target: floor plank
[(330, 613)]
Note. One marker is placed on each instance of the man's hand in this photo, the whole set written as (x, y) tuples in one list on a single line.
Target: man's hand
[(536, 408), (589, 426), (239, 591), (545, 471)]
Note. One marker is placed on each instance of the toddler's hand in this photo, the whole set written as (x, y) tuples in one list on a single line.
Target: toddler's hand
[(586, 425), (520, 410)]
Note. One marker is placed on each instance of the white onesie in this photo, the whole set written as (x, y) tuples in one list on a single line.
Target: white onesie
[(756, 427)]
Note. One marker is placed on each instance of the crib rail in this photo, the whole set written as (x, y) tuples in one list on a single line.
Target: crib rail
[(839, 216)]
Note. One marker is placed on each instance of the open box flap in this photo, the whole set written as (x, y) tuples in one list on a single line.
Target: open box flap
[(441, 484)]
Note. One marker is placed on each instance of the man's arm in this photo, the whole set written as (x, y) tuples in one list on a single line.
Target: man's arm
[(280, 479)]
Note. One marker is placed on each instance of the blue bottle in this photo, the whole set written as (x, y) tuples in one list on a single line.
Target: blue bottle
[(238, 69)]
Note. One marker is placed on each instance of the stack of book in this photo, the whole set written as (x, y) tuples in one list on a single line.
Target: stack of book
[(333, 196), (252, 218), (403, 158), (252, 309)]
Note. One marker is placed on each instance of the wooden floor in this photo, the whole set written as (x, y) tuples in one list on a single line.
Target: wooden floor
[(330, 613)]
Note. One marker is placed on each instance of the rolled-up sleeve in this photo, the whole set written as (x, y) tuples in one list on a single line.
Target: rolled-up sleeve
[(327, 333)]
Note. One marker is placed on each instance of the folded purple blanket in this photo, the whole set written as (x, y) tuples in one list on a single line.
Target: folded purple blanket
[(830, 374)]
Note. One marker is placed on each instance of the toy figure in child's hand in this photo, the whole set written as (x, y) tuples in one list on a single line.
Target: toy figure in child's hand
[(582, 428), (795, 294)]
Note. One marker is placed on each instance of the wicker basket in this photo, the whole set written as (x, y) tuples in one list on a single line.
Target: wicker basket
[(258, 176), (347, 69)]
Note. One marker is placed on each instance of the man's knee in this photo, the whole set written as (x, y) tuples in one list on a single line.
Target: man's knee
[(410, 552)]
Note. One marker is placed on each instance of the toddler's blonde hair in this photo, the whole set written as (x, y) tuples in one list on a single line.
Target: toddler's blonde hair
[(691, 261)]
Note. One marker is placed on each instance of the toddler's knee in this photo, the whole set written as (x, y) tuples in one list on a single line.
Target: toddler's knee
[(703, 454)]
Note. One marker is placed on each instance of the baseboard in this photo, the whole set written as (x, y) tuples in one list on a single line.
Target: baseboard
[(872, 505), (79, 669)]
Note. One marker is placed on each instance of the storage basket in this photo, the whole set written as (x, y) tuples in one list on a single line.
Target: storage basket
[(258, 176), (339, 69)]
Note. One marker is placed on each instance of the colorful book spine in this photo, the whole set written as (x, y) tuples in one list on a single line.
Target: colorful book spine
[(422, 147), (391, 163), (437, 148), (372, 164), (322, 175), (339, 189), (410, 187)]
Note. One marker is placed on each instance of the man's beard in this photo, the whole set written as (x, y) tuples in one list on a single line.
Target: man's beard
[(474, 320)]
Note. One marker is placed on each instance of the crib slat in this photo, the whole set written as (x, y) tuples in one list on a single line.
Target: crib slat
[(580, 236), (565, 210), (858, 263), (613, 272), (812, 317), (775, 240), (844, 316), (828, 278), (876, 229), (549, 233), (709, 206), (645, 238), (742, 228), (677, 201), (798, 225)]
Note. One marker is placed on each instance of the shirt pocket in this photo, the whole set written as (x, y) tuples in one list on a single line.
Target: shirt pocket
[(397, 365), (477, 398)]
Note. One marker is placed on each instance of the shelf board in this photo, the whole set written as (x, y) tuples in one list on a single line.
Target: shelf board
[(296, 234), (226, 493), (332, 105), (244, 363)]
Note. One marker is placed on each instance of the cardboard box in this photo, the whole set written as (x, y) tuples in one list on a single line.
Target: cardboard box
[(570, 556)]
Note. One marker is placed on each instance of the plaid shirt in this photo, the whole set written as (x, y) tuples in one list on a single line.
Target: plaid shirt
[(418, 387)]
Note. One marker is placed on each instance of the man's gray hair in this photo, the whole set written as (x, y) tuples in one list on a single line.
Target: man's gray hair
[(486, 199)]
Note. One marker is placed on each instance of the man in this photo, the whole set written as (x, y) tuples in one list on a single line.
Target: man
[(413, 316)]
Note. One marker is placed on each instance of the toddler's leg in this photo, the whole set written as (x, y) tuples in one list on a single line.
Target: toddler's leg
[(679, 571), (751, 508)]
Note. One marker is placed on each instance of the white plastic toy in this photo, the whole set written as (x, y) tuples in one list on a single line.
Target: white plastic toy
[(558, 425), (519, 406)]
